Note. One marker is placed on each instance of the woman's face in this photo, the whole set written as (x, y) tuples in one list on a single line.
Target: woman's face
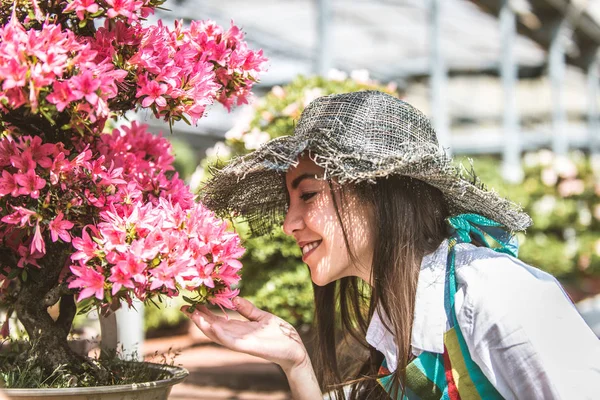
[(311, 219)]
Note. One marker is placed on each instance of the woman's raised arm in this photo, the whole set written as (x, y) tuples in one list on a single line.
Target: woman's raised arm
[(266, 336)]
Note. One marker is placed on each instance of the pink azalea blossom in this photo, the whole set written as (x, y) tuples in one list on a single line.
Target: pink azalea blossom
[(162, 276), (61, 96), (15, 74), (81, 7), (86, 247), (59, 228), (30, 183), (40, 152), (37, 243), (224, 298), (22, 216), (60, 165), (8, 148), (125, 8), (28, 258), (90, 281), (121, 277), (154, 94), (85, 85), (8, 184), (23, 161)]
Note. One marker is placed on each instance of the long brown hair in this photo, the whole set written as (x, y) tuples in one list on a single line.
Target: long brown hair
[(408, 223)]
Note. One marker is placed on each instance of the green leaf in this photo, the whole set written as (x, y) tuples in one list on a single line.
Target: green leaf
[(185, 120), (188, 299)]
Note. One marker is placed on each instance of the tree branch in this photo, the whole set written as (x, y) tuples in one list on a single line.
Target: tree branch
[(56, 293), (68, 309)]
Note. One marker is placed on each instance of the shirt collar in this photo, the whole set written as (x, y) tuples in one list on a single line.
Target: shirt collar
[(429, 323)]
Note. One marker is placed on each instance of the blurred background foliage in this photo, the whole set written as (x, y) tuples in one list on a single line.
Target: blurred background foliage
[(561, 195)]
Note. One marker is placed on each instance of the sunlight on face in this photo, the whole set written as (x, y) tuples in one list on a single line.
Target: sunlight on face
[(311, 219)]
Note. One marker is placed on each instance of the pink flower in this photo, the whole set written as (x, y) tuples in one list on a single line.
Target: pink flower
[(120, 277), (8, 148), (85, 85), (27, 258), (224, 298), (30, 183), (81, 7), (133, 266), (60, 164), (197, 276), (86, 247), (8, 184), (88, 279), (571, 187), (126, 8), (21, 217), (153, 92), (62, 95), (23, 161), (40, 152), (228, 275), (37, 243), (15, 74), (162, 276), (59, 227)]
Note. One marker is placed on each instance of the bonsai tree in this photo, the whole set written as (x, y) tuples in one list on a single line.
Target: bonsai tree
[(91, 217)]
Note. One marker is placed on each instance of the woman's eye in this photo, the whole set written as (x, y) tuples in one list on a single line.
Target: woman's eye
[(307, 196)]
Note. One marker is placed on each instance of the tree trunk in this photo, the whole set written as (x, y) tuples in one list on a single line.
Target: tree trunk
[(48, 338)]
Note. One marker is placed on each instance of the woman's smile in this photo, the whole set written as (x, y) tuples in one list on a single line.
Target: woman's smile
[(308, 248)]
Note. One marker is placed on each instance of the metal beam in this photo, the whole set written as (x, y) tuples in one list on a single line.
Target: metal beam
[(586, 30), (556, 61), (438, 76), (324, 40), (593, 80), (511, 156)]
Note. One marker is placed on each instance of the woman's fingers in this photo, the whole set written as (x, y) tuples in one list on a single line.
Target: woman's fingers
[(204, 321), (247, 309)]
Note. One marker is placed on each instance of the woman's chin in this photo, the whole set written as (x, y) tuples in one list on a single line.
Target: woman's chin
[(318, 279)]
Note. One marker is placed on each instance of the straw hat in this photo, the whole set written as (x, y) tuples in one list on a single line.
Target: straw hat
[(355, 137)]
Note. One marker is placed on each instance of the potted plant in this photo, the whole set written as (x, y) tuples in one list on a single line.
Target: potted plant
[(91, 217)]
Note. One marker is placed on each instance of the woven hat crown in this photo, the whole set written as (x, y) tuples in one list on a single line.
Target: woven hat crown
[(354, 137), (368, 122)]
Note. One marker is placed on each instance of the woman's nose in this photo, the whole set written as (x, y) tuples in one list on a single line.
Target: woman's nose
[(293, 221)]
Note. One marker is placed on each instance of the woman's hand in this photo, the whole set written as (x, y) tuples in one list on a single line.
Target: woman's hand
[(263, 335)]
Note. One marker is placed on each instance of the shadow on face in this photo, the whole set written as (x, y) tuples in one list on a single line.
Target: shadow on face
[(330, 222)]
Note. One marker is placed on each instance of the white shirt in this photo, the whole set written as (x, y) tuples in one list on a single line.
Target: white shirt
[(520, 327)]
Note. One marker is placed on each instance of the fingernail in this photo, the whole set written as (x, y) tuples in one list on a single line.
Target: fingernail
[(236, 301)]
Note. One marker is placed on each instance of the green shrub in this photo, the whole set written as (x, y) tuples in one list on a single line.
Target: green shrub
[(562, 195)]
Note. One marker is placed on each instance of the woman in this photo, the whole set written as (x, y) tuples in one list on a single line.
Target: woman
[(401, 243)]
